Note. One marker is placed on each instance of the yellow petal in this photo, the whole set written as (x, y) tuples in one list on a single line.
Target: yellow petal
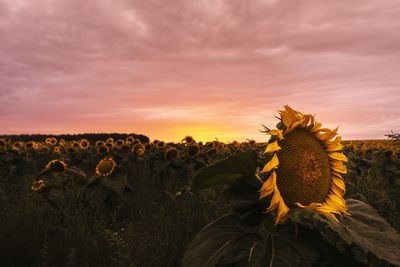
[(338, 156), (337, 190), (276, 132), (272, 147), (339, 182), (286, 119), (282, 214), (328, 135), (333, 147), (316, 127), (293, 126), (276, 198), (268, 186), (272, 164)]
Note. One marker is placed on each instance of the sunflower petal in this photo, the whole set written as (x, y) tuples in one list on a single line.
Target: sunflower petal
[(328, 135), (268, 186), (333, 147), (339, 182), (276, 132), (272, 147), (272, 164), (338, 156), (283, 213)]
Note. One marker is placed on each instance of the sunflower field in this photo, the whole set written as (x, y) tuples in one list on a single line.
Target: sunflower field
[(128, 201)]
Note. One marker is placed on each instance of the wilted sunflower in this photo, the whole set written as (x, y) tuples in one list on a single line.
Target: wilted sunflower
[(106, 166), (38, 185), (56, 165), (306, 167)]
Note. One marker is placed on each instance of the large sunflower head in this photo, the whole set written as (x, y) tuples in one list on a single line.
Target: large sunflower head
[(305, 168)]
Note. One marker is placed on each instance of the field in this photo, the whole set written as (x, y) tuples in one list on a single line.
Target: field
[(84, 211)]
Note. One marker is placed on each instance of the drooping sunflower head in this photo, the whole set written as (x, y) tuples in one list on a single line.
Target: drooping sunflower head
[(57, 166), (106, 166), (305, 168)]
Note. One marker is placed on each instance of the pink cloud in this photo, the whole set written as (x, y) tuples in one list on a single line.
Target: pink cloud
[(222, 67)]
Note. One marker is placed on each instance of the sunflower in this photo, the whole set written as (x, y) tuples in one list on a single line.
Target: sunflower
[(110, 140), (118, 143), (306, 167), (129, 139), (139, 149), (29, 145), (103, 149), (99, 143), (53, 141), (38, 185), (193, 150), (57, 150), (171, 153), (47, 140), (56, 165), (106, 166), (188, 139), (84, 144)]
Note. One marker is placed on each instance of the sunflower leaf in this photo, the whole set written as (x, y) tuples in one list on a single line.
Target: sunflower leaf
[(224, 242), (365, 235), (226, 171)]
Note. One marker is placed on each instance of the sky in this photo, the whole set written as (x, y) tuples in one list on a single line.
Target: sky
[(206, 68)]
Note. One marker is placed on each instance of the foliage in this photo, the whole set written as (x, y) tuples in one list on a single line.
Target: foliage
[(145, 213)]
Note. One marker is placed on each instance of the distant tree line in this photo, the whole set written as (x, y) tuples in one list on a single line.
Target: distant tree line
[(70, 137)]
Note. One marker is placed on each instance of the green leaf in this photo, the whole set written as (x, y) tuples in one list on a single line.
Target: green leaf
[(286, 247), (226, 171), (224, 242), (365, 235)]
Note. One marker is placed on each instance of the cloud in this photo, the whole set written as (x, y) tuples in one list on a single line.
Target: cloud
[(146, 65)]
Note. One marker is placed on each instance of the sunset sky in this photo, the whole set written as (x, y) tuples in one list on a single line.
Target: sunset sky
[(204, 68)]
